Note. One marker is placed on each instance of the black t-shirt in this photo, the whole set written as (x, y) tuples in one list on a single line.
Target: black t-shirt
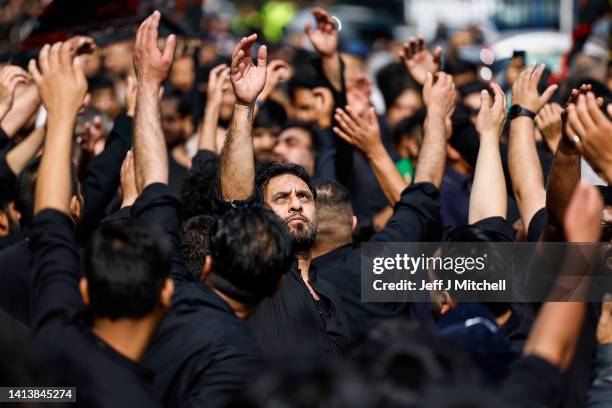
[(537, 225), (103, 377), (532, 382)]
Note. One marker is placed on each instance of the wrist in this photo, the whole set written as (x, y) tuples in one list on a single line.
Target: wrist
[(375, 152), (244, 107)]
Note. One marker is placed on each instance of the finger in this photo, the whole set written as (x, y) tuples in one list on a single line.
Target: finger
[(262, 57), (34, 73), (485, 101), (500, 97), (572, 98), (345, 121), (594, 112), (583, 113), (413, 45), (574, 121), (153, 31), (343, 135), (308, 30), (537, 74), (217, 71), (428, 82), (548, 93), (169, 48), (609, 109), (54, 55), (65, 55), (16, 80), (43, 59), (235, 67), (437, 54), (420, 44)]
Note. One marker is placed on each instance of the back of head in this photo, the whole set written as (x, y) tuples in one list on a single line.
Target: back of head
[(195, 238), (199, 186), (271, 115), (334, 211), (251, 249), (303, 80), (393, 79), (127, 263)]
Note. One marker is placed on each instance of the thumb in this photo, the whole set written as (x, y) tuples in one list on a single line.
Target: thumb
[(428, 81), (169, 48), (437, 54), (485, 100), (548, 93)]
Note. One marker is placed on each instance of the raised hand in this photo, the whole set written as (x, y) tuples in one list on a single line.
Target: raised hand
[(492, 116), (604, 327), (525, 89), (81, 44), (361, 131), (151, 64), (549, 123), (247, 78), (60, 80), (418, 60), (590, 129), (10, 77), (129, 190), (582, 220), (440, 97), (218, 81), (324, 37)]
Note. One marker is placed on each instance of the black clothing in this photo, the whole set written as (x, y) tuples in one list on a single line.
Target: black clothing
[(202, 352), (15, 282), (415, 218), (532, 382), (103, 377), (176, 174), (292, 324), (537, 225)]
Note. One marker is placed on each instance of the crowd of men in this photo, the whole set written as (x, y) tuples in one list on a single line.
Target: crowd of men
[(201, 247)]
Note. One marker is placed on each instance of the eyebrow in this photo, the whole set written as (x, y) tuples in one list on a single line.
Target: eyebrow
[(280, 194)]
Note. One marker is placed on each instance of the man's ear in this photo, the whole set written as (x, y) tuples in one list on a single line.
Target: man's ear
[(75, 209), (452, 153), (84, 289), (165, 297), (208, 262), (5, 225), (354, 225)]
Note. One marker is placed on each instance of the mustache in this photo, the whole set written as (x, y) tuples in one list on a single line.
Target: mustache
[(296, 217)]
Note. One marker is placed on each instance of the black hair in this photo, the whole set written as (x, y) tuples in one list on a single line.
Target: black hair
[(393, 79), (404, 358), (276, 169), (195, 238), (320, 383), (472, 87), (100, 81), (25, 190), (200, 185), (334, 197), (270, 115), (126, 265), (303, 81), (251, 249), (309, 129), (407, 127), (606, 194)]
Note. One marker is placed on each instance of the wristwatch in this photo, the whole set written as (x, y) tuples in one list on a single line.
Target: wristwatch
[(518, 110)]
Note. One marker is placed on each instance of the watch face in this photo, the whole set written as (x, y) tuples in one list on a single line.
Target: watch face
[(514, 110)]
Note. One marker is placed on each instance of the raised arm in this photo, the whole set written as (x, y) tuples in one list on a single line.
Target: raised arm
[(218, 81), (237, 164), (62, 86), (324, 38), (488, 197), (22, 105), (152, 67), (439, 98), (363, 132), (525, 169), (10, 77)]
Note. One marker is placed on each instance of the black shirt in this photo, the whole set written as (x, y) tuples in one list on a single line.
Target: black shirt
[(103, 377), (416, 217), (291, 324), (532, 382), (202, 352)]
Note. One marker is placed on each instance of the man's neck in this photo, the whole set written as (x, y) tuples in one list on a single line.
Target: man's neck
[(303, 259), (129, 336), (240, 309)]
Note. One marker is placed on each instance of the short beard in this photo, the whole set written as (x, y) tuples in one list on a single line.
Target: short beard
[(304, 235)]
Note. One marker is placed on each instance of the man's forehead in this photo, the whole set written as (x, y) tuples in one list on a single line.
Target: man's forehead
[(294, 133), (285, 182)]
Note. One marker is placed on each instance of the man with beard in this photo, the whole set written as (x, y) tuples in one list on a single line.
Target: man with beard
[(304, 317)]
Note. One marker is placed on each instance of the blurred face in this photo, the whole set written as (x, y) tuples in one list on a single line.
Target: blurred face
[(171, 122), (104, 99), (295, 146), (304, 106), (292, 201), (118, 57), (404, 106), (264, 140), (183, 74), (227, 104)]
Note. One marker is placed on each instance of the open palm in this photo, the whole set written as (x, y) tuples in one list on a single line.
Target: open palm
[(325, 36), (247, 78), (419, 60)]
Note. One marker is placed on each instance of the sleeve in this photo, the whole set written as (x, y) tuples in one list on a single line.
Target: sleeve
[(537, 225), (159, 204), (4, 139), (54, 268), (416, 217), (532, 382), (120, 214), (325, 166), (600, 393), (8, 180), (499, 226), (103, 175), (220, 206)]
